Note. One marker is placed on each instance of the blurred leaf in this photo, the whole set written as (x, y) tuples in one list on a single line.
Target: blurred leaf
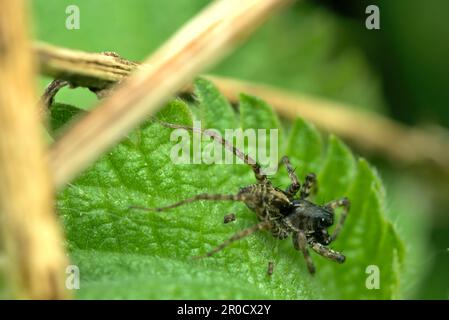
[(299, 49)]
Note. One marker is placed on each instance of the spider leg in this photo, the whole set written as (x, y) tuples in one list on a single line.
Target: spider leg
[(327, 252), (261, 178), (294, 187), (230, 217), (308, 185), (300, 243), (270, 269), (237, 236), (343, 202), (203, 196)]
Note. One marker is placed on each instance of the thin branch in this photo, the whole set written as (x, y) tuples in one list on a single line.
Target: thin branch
[(51, 91), (201, 42), (369, 132), (84, 69), (31, 235)]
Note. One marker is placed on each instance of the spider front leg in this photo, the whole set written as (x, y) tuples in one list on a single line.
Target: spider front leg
[(327, 252), (257, 170), (292, 189), (343, 202), (308, 185), (270, 268), (300, 243)]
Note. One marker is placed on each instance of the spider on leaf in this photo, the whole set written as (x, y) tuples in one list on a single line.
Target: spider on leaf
[(281, 212)]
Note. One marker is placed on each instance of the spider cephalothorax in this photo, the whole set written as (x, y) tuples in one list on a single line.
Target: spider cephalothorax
[(281, 212)]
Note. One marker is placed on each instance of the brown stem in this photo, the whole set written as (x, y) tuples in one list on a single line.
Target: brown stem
[(200, 43), (30, 232), (369, 132), (84, 69), (51, 91)]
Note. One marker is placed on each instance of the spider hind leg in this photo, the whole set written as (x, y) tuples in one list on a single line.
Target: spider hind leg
[(237, 236)]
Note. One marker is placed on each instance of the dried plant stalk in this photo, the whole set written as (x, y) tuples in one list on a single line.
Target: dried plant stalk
[(31, 235), (201, 42), (85, 69), (369, 132)]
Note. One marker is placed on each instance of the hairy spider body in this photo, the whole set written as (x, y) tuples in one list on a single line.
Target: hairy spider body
[(270, 204), (290, 217), (280, 212)]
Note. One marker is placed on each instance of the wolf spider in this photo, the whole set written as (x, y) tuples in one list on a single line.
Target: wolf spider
[(279, 211)]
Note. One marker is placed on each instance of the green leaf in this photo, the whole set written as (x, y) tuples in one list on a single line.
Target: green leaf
[(368, 239), (304, 147), (257, 114), (125, 253), (215, 110), (337, 171), (60, 114)]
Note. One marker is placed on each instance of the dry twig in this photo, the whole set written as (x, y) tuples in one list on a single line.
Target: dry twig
[(201, 42), (31, 235), (369, 132)]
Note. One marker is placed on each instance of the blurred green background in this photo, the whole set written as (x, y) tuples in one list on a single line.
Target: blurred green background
[(320, 48)]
